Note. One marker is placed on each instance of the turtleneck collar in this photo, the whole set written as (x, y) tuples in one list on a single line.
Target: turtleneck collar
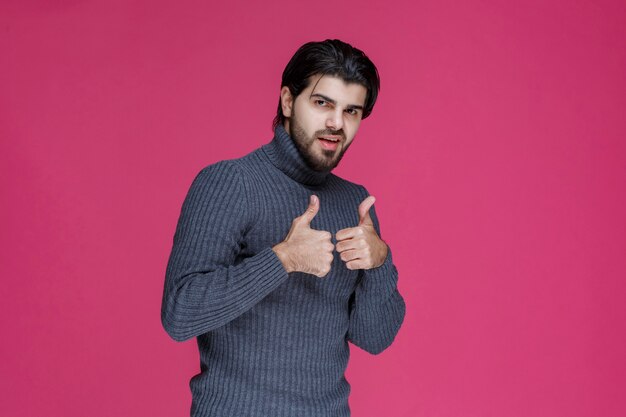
[(283, 153)]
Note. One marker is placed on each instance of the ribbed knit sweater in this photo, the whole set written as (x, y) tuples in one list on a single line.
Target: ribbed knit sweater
[(271, 344)]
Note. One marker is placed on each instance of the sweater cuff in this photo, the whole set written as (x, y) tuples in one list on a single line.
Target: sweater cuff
[(382, 279), (271, 271)]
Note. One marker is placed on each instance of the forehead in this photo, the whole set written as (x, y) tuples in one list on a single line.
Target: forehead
[(352, 94)]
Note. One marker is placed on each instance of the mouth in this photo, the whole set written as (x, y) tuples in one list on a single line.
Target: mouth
[(330, 142)]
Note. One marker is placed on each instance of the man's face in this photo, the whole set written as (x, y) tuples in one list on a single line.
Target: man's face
[(323, 119)]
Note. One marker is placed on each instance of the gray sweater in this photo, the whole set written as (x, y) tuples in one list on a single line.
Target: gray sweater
[(271, 344)]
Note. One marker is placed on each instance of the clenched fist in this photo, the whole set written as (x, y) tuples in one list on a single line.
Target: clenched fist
[(360, 247), (305, 249)]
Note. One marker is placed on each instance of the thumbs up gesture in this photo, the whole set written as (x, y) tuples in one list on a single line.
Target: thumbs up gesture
[(360, 247), (305, 249)]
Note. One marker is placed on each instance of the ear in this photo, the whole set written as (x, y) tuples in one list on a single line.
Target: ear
[(286, 101)]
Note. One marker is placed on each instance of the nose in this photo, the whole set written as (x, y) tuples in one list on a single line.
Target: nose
[(335, 120)]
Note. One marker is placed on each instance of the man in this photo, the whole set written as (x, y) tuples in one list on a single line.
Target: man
[(277, 263)]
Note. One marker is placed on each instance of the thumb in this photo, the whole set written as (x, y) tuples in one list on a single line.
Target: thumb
[(364, 210), (311, 210)]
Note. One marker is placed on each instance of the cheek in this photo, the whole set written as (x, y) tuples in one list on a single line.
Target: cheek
[(309, 121)]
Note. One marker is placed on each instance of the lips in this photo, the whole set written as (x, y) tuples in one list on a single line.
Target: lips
[(329, 142)]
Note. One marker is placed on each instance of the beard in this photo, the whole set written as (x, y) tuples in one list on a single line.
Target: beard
[(328, 159)]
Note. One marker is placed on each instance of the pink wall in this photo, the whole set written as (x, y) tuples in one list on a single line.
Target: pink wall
[(497, 155)]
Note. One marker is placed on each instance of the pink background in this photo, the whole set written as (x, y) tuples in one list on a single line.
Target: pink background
[(497, 153)]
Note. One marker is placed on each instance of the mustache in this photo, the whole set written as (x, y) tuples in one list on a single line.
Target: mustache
[(339, 132)]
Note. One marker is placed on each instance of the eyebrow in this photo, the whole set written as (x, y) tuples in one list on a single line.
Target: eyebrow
[(330, 100)]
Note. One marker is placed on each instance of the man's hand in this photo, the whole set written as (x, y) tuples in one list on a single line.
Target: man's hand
[(305, 249), (360, 247)]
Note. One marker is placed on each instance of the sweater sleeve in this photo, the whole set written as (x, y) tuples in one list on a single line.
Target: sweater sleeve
[(377, 309), (207, 283)]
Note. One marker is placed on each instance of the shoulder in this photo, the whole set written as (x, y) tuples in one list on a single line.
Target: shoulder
[(219, 178), (239, 165), (228, 170), (218, 188), (227, 166)]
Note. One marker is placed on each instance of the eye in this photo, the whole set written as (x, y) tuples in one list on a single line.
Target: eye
[(352, 112), (320, 102)]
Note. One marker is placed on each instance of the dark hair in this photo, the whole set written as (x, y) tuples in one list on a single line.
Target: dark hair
[(330, 57)]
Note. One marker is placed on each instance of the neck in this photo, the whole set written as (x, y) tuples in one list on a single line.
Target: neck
[(283, 153)]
